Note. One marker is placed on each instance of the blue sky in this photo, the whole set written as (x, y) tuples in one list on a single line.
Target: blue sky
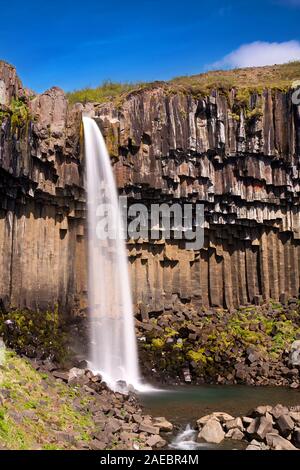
[(73, 44)]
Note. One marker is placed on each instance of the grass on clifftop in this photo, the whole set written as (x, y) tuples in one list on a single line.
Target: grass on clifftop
[(37, 412), (256, 78), (105, 92)]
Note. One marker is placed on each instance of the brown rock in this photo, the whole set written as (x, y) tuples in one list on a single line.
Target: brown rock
[(279, 443), (212, 432), (156, 442), (285, 425)]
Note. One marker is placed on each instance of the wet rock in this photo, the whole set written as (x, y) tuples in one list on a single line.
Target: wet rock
[(212, 432)]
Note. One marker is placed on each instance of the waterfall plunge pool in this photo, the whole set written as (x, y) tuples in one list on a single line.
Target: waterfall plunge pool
[(183, 405)]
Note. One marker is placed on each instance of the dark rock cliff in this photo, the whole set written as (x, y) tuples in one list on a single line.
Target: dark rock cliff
[(41, 198), (238, 157)]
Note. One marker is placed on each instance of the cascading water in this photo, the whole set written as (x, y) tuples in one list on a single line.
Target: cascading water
[(112, 336)]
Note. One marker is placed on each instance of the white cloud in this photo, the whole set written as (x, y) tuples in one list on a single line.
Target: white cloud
[(261, 53)]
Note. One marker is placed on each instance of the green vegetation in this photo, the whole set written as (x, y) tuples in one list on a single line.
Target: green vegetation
[(18, 113), (32, 332), (34, 410), (245, 81), (107, 91), (221, 339)]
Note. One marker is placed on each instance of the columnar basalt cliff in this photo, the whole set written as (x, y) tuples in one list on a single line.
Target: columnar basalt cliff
[(42, 200), (237, 154), (242, 161)]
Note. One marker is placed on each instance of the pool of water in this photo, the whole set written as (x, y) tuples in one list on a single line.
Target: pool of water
[(183, 405)]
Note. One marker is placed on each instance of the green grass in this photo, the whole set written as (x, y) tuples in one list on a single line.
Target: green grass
[(105, 92), (25, 392), (246, 81)]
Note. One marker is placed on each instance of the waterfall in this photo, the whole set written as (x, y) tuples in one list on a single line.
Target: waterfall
[(186, 440), (113, 349)]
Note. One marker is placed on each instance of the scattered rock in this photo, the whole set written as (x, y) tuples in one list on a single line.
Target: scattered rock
[(145, 427)]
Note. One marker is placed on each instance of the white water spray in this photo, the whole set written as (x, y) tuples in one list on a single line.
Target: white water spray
[(113, 343)]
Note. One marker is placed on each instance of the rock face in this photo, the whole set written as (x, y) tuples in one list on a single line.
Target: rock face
[(42, 200), (175, 147), (240, 159)]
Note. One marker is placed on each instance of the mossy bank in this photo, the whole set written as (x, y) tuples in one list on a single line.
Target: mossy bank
[(250, 345)]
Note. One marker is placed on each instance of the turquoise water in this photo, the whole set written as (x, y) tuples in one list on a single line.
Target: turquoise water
[(183, 405)]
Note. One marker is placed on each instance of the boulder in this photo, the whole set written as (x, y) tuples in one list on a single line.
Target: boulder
[(285, 425), (255, 445), (219, 415), (265, 426), (96, 444), (259, 427), (296, 437), (150, 429), (112, 426), (261, 410), (234, 423), (156, 442), (235, 434), (75, 373), (247, 420), (279, 443), (212, 432), (279, 410), (63, 375), (295, 415), (163, 424)]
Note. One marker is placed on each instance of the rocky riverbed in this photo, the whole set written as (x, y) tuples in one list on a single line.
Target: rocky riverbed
[(264, 428)]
